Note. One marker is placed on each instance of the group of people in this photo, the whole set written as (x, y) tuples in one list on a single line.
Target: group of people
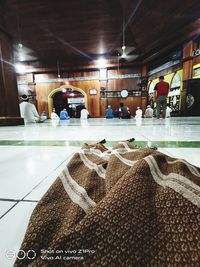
[(161, 91), (124, 112), (84, 114), (29, 112), (150, 112)]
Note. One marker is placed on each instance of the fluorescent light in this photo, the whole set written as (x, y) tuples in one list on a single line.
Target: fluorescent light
[(21, 57), (124, 55), (101, 63), (66, 82), (20, 68), (103, 74)]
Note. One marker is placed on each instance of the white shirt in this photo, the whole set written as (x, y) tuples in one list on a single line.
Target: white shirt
[(148, 113), (54, 116), (138, 113), (28, 112), (168, 111), (84, 114)]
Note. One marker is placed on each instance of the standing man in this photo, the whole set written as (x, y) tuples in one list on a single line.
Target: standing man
[(160, 94)]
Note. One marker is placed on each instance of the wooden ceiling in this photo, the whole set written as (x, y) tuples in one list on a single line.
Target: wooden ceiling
[(77, 32)]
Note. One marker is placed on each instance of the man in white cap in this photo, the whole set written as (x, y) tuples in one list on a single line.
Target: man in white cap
[(28, 111), (84, 114), (148, 112)]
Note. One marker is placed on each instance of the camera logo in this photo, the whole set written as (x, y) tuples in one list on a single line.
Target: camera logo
[(20, 254)]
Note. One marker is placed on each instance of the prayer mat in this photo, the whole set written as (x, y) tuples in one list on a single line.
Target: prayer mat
[(118, 207)]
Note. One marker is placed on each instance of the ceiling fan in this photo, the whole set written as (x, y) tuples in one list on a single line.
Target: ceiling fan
[(125, 52), (23, 53)]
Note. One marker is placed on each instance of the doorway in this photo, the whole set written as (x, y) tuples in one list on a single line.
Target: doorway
[(71, 98)]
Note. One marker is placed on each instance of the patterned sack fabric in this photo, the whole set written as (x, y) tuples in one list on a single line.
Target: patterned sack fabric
[(118, 207)]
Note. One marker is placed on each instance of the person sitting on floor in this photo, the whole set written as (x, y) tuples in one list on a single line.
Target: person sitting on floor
[(148, 112), (28, 110), (64, 115), (84, 114), (54, 116), (124, 112), (43, 116), (109, 112), (168, 111), (138, 113), (116, 113)]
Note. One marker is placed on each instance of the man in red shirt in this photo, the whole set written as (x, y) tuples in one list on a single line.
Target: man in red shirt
[(160, 93)]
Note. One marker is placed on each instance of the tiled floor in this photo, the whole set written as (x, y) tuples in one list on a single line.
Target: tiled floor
[(32, 157)]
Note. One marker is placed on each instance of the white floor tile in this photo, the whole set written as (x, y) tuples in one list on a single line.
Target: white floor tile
[(42, 188), (12, 229), (28, 171), (23, 168), (5, 206), (192, 155)]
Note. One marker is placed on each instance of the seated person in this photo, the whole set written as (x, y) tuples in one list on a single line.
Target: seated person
[(116, 113), (28, 111), (84, 114), (168, 111), (64, 115), (43, 116), (124, 112), (109, 112), (148, 112), (54, 116), (138, 113)]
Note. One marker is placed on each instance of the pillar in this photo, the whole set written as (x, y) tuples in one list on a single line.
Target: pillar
[(9, 104), (144, 79), (187, 73), (103, 100)]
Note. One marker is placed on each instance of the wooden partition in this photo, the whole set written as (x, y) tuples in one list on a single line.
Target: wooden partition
[(46, 83), (118, 84), (43, 89)]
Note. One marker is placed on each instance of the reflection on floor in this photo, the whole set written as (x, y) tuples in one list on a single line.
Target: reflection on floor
[(32, 157)]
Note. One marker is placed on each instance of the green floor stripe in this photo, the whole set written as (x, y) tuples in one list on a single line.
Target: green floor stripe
[(186, 144)]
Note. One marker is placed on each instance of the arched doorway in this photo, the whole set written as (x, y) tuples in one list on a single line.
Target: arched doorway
[(69, 97)]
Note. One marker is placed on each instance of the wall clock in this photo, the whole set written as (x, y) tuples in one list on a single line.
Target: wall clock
[(124, 93)]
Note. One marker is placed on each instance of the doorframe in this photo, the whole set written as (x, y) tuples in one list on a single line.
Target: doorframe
[(59, 89)]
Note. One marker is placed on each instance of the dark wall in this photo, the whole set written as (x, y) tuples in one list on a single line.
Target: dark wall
[(9, 104), (192, 97)]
